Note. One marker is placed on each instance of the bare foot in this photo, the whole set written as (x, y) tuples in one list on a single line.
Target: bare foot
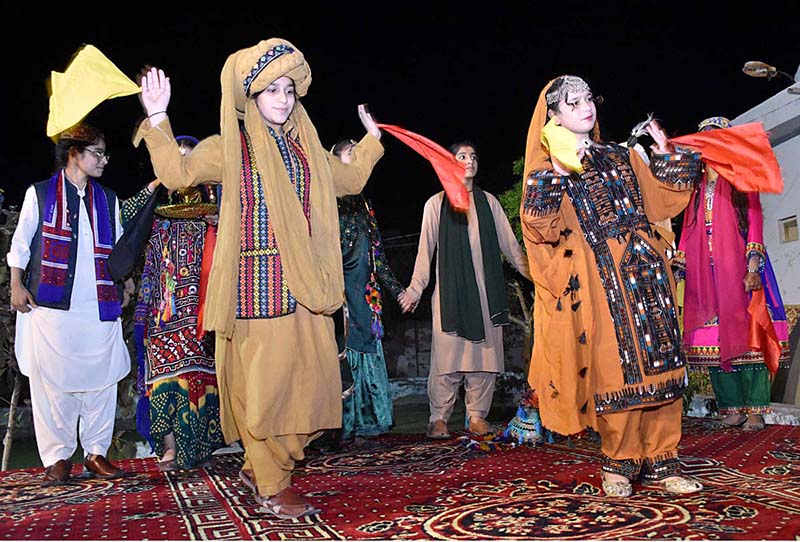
[(755, 422), (734, 420), (479, 425)]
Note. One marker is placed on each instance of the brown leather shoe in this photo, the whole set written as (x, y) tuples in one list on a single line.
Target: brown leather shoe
[(100, 467), (57, 473)]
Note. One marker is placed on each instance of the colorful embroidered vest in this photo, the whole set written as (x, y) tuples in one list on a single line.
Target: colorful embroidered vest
[(262, 290)]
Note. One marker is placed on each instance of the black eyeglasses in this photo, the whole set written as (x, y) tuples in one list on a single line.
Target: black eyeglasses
[(99, 154)]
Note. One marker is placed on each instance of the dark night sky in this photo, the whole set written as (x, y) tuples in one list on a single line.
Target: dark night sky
[(450, 74)]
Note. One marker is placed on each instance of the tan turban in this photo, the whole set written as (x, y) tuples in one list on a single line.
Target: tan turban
[(312, 264)]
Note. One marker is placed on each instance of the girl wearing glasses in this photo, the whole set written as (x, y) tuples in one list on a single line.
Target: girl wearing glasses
[(63, 290)]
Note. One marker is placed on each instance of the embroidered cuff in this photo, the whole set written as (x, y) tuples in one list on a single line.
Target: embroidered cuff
[(682, 170), (663, 466), (678, 263), (758, 250), (543, 192), (629, 468)]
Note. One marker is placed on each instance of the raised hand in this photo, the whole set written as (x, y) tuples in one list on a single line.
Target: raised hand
[(368, 121), (156, 93), (662, 144), (139, 77)]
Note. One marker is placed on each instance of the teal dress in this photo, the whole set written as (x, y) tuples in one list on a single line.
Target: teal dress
[(368, 410)]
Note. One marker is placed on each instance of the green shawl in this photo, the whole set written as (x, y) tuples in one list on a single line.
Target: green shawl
[(460, 303)]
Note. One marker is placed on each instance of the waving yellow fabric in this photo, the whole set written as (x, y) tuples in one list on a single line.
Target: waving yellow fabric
[(90, 79)]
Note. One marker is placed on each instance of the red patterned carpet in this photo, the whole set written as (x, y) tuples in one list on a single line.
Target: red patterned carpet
[(406, 487)]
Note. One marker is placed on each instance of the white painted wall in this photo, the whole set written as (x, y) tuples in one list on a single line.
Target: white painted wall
[(780, 115)]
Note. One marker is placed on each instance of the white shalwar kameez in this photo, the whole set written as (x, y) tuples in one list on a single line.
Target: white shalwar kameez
[(72, 359)]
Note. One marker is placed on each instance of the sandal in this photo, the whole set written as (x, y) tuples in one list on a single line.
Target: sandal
[(438, 430), (680, 485), (302, 508), (616, 488)]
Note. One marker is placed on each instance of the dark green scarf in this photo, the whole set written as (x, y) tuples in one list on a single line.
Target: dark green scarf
[(458, 291)]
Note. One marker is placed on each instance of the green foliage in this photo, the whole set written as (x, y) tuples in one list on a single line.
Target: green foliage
[(8, 361), (511, 199), (518, 166)]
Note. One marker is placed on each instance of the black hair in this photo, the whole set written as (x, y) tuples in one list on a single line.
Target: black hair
[(557, 84), (463, 143), (186, 141), (342, 145)]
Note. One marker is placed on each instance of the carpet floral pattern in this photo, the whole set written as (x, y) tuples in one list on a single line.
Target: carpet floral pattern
[(407, 487)]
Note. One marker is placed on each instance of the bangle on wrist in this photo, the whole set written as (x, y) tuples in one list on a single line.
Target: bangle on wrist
[(156, 113)]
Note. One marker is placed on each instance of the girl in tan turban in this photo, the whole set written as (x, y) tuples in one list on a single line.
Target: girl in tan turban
[(277, 271), (607, 348)]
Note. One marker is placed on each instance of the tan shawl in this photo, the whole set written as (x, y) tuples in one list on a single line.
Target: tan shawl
[(312, 263)]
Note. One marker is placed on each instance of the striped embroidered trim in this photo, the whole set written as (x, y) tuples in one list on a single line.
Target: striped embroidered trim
[(263, 62), (681, 170), (627, 398)]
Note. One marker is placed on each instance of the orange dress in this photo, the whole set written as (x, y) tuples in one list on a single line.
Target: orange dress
[(606, 337)]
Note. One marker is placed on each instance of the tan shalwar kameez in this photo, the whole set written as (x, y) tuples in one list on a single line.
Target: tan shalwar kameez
[(452, 357), (279, 379)]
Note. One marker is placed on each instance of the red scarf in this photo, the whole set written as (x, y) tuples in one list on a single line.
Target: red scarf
[(449, 170)]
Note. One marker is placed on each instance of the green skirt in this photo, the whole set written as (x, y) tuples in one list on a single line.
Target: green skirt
[(368, 410), (187, 406), (745, 390)]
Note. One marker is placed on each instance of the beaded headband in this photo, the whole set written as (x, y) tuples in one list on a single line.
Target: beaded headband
[(714, 122), (568, 83), (263, 62)]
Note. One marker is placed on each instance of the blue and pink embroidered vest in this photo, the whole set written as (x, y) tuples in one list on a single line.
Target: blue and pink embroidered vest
[(262, 290), (33, 275)]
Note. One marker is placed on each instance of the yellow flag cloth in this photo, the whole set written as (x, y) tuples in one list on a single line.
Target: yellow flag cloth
[(561, 144), (89, 79)]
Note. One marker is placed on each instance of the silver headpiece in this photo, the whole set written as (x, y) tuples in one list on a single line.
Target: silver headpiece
[(569, 83)]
